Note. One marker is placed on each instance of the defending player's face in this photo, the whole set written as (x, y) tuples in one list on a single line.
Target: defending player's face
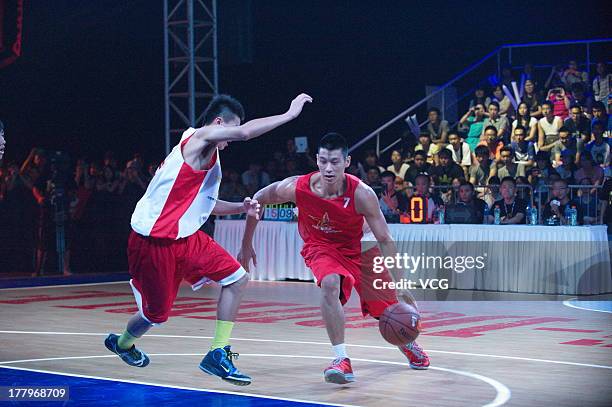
[(233, 122), (332, 164)]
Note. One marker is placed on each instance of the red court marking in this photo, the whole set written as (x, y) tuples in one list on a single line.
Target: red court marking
[(588, 331), (115, 304), (473, 331), (441, 315), (270, 319), (320, 323), (465, 320), (608, 346), (129, 310), (83, 294), (583, 342), (177, 311)]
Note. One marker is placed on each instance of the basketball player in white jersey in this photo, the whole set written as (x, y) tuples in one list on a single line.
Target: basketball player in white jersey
[(166, 245)]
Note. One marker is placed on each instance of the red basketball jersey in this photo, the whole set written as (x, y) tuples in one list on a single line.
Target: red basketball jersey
[(329, 223)]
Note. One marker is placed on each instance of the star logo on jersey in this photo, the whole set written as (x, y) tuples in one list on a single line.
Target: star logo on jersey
[(324, 224)]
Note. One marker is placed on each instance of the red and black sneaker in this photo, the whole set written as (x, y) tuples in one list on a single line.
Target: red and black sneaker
[(416, 356), (339, 372)]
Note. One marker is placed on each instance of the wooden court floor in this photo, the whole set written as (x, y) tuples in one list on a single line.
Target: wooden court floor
[(515, 353)]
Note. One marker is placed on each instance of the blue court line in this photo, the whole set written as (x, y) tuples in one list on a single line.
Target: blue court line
[(61, 280), (105, 392)]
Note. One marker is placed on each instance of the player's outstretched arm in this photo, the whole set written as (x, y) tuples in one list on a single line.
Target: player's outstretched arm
[(249, 206), (253, 128), (366, 203), (278, 192)]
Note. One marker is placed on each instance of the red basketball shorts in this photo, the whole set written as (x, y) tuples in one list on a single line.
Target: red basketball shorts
[(158, 266), (356, 273)]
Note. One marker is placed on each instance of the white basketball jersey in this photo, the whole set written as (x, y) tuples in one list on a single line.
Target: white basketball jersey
[(178, 199)]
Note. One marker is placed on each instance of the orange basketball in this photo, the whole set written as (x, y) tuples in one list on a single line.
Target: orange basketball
[(400, 324)]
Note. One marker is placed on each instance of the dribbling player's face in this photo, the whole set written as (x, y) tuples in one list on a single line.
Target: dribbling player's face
[(332, 165)]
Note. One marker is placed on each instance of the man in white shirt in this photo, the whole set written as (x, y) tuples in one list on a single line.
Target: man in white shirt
[(461, 151)]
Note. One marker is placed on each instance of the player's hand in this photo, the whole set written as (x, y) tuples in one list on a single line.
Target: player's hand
[(245, 256), (252, 207), (297, 104)]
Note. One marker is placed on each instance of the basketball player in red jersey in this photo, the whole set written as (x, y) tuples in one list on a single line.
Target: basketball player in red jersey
[(166, 245), (332, 206)]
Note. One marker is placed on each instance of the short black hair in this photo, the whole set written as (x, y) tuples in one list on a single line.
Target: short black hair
[(223, 106), (564, 129), (422, 174), (508, 179), (434, 109), (455, 132), (465, 182), (334, 141), (445, 152), (491, 127), (387, 174), (519, 127), (421, 153), (508, 149), (599, 105), (494, 180), (482, 150), (575, 105), (494, 103), (548, 103)]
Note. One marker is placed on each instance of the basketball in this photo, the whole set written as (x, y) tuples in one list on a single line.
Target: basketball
[(400, 324)]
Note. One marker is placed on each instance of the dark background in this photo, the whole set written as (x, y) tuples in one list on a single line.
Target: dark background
[(90, 77)]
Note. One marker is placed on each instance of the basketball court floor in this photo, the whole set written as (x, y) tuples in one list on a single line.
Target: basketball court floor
[(483, 353)]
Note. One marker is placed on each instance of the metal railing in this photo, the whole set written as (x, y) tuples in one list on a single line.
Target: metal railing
[(498, 53)]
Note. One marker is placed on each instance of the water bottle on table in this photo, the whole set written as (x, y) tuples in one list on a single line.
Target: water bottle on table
[(573, 216), (567, 213), (497, 215), (441, 215)]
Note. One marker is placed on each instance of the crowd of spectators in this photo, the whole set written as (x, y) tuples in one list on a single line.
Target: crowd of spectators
[(490, 167)]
